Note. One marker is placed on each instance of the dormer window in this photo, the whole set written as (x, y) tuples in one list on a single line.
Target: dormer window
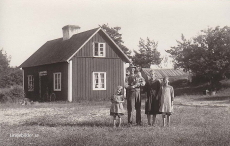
[(99, 49)]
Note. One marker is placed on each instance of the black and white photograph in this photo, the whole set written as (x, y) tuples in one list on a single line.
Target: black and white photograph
[(114, 73)]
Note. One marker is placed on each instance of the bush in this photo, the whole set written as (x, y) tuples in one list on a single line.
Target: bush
[(15, 94), (179, 83), (11, 77)]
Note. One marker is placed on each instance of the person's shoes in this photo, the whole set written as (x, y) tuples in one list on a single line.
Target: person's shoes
[(139, 124), (130, 124)]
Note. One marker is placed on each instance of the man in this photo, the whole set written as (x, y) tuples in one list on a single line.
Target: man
[(133, 82)]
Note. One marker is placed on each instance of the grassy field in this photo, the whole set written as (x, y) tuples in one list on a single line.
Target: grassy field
[(197, 120)]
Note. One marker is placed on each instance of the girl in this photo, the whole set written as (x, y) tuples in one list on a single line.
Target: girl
[(167, 96), (117, 109)]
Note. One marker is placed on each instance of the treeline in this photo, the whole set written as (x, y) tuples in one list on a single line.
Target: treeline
[(9, 76)]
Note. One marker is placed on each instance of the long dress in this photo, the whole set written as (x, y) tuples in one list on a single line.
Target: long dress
[(167, 97), (152, 104)]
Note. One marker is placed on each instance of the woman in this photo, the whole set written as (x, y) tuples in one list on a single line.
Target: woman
[(152, 100)]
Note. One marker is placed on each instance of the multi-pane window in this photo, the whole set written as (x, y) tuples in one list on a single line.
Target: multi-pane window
[(99, 50), (30, 83), (99, 81), (57, 81)]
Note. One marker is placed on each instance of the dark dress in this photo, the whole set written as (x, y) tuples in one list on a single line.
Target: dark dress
[(152, 104)]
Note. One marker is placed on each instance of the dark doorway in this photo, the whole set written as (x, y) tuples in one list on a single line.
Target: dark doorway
[(43, 86)]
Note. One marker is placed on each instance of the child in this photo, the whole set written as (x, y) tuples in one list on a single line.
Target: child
[(167, 96), (117, 109)]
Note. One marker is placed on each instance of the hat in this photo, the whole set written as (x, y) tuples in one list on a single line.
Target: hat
[(131, 66)]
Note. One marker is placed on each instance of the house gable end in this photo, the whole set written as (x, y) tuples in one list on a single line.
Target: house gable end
[(112, 50)]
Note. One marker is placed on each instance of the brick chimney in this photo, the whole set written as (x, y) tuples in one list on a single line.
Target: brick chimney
[(69, 31)]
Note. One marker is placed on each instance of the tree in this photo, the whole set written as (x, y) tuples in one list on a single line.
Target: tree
[(147, 54), (4, 62), (113, 32), (13, 76), (9, 76), (207, 54)]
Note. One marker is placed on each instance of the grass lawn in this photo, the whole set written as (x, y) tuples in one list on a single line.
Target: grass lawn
[(197, 120)]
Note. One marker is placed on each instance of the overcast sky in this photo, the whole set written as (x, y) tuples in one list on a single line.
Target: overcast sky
[(25, 25)]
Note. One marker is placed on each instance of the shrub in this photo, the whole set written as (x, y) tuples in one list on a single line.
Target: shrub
[(179, 83), (11, 77), (15, 94)]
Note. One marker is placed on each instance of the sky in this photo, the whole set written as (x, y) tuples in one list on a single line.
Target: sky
[(25, 25)]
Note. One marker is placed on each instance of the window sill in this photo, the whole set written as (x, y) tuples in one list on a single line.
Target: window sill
[(96, 89)]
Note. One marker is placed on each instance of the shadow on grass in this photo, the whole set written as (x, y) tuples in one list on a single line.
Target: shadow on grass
[(214, 98), (95, 123), (201, 106), (191, 90)]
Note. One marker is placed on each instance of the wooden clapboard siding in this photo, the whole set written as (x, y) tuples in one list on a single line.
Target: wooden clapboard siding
[(84, 64), (83, 77), (51, 68), (87, 50)]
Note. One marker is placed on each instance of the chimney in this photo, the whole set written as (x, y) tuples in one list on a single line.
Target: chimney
[(69, 31)]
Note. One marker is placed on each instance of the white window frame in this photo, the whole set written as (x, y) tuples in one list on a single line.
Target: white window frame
[(99, 81), (30, 83), (104, 45), (56, 88)]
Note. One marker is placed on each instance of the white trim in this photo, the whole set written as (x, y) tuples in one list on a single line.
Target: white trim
[(57, 81), (99, 81), (23, 79), (70, 81), (83, 45), (104, 48), (117, 46), (124, 67)]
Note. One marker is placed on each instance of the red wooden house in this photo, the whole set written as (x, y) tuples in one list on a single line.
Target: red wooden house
[(79, 66)]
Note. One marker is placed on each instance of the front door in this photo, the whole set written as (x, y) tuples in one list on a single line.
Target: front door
[(43, 86)]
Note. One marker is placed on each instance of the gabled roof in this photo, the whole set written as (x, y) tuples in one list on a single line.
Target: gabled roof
[(57, 50), (161, 73)]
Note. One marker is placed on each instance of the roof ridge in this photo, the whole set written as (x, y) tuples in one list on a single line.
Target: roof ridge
[(74, 34)]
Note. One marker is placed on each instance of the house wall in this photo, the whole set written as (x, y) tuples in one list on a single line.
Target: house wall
[(83, 69), (51, 68), (84, 64), (87, 50)]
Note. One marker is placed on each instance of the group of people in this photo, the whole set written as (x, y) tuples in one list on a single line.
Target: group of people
[(159, 98)]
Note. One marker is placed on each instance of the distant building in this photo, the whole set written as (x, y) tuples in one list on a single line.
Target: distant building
[(173, 74)]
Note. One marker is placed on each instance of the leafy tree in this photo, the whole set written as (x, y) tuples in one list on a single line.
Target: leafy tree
[(4, 62), (113, 32), (9, 76), (147, 54), (207, 54), (13, 76)]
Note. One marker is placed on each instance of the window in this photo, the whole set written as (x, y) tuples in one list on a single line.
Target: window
[(57, 81), (99, 81), (99, 50), (30, 83)]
